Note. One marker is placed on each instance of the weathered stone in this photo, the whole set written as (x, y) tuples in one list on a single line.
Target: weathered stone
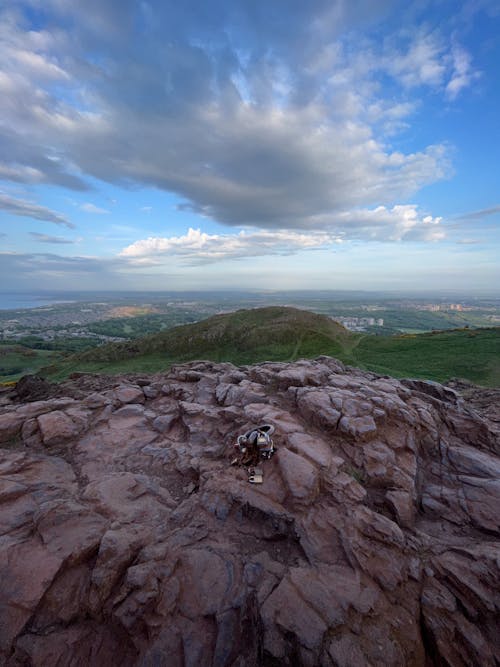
[(88, 643), (346, 652), (318, 408), (40, 407), (131, 410), (433, 389), (359, 427), (97, 400), (376, 518), (286, 609), (10, 426), (150, 392), (403, 506), (164, 422), (26, 571), (117, 551), (56, 427), (312, 448), (241, 394), (301, 477), (30, 427), (129, 394)]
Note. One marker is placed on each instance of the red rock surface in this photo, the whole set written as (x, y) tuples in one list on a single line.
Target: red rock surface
[(127, 539)]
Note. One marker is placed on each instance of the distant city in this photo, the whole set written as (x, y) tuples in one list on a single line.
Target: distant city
[(359, 323)]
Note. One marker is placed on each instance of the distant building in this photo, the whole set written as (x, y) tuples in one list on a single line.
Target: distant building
[(358, 323)]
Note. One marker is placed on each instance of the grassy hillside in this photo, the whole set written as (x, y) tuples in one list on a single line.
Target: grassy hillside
[(16, 360), (472, 354), (243, 337), (287, 334)]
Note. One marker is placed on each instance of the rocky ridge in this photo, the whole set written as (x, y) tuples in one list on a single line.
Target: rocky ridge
[(127, 539)]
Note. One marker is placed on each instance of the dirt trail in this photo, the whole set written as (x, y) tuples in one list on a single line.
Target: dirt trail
[(293, 356), (350, 348)]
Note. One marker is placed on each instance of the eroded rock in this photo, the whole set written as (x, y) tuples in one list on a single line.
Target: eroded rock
[(126, 538), (57, 427)]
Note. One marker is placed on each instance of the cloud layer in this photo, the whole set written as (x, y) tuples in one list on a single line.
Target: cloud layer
[(47, 238), (218, 104), (197, 247), (28, 209)]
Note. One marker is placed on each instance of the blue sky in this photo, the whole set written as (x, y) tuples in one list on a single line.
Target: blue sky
[(343, 144)]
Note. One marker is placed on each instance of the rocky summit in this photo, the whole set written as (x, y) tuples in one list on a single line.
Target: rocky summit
[(128, 539)]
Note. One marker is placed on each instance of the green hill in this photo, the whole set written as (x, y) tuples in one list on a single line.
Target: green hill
[(242, 337), (287, 334)]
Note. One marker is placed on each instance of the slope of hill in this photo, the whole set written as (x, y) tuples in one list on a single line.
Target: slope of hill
[(288, 334), (16, 360), (242, 337)]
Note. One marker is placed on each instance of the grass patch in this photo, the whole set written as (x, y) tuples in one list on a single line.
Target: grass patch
[(152, 363), (356, 473), (16, 361)]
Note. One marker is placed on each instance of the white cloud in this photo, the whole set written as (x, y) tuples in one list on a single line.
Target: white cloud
[(401, 222), (28, 209), (480, 214), (422, 63), (380, 224), (21, 174), (430, 61), (198, 247), (35, 64), (92, 208), (46, 238), (463, 74)]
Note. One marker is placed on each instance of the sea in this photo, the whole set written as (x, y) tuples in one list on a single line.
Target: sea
[(22, 300)]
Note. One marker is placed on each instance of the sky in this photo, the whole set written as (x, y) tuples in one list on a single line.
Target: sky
[(264, 144)]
